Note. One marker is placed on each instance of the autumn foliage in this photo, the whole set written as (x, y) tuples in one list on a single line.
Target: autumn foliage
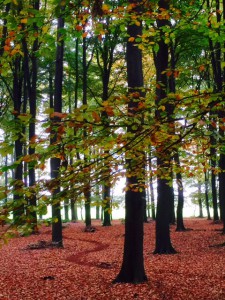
[(85, 267)]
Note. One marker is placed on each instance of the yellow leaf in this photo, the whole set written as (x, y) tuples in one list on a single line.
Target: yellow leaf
[(48, 110), (13, 52), (23, 21), (105, 7), (79, 118), (162, 107), (45, 29), (167, 41), (141, 47), (17, 47)]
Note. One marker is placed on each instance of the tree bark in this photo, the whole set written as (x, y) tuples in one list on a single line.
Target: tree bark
[(87, 187), (207, 196), (55, 162), (180, 205), (164, 200), (132, 270), (18, 212)]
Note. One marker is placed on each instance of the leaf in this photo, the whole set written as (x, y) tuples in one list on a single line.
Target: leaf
[(201, 68), (109, 111), (162, 107), (105, 7), (96, 116), (131, 39), (59, 115), (23, 21)]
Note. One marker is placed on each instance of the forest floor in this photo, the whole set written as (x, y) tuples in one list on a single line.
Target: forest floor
[(85, 267)]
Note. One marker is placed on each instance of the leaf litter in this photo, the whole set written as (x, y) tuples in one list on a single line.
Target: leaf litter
[(31, 268)]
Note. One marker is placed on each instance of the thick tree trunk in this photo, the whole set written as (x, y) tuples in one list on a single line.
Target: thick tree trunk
[(163, 243), (165, 196), (132, 270), (56, 162)]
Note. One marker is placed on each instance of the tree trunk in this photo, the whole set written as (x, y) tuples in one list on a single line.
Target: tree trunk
[(18, 212), (222, 188), (73, 207), (87, 187), (200, 200), (164, 201), (163, 243), (132, 270), (30, 83), (215, 51), (207, 196), (180, 205), (151, 189), (55, 162), (97, 202), (66, 209), (213, 175), (105, 69), (107, 205)]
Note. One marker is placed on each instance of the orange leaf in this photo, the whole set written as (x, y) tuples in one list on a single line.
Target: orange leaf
[(27, 158), (213, 124), (201, 68), (176, 73), (109, 111), (61, 129), (58, 115), (7, 48), (84, 35), (78, 27), (96, 116), (131, 39)]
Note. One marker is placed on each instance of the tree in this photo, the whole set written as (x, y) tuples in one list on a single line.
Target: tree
[(30, 83), (132, 269), (55, 161), (164, 191)]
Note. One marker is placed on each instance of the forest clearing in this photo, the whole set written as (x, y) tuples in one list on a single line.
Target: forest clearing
[(85, 268)]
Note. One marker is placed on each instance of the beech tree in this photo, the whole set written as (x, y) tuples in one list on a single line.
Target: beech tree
[(164, 191), (55, 139), (132, 269)]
